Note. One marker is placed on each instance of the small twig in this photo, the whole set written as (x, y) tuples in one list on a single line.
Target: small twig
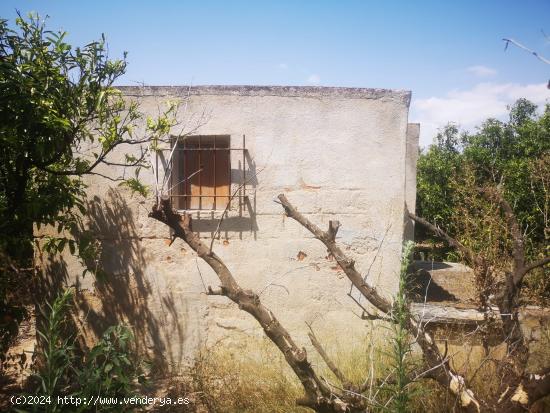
[(278, 285), (186, 179), (515, 43), (226, 209), (281, 276), (317, 345), (200, 275)]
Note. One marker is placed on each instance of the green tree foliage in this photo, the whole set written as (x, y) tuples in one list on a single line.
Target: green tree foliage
[(434, 171), (60, 119), (513, 156), (56, 102)]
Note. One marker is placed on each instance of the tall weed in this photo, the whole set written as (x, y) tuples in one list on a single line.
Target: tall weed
[(109, 369)]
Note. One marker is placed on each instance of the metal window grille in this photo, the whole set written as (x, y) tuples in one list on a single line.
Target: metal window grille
[(201, 172)]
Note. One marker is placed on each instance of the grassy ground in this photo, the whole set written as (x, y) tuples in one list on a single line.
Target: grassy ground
[(254, 378)]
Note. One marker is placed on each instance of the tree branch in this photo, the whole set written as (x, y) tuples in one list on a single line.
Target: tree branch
[(472, 257), (347, 264), (442, 370), (538, 56), (219, 291), (531, 266), (319, 396)]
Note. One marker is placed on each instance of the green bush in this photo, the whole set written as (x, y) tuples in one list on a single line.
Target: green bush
[(109, 369), (513, 156)]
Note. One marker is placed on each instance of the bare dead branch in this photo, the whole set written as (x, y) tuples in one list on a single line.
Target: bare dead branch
[(442, 371), (347, 264), (531, 266), (426, 372), (215, 292), (367, 315), (515, 43), (472, 257), (318, 395), (333, 227)]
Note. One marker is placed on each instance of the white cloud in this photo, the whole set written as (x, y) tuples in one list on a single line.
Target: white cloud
[(481, 71), (314, 79), (282, 66), (471, 107)]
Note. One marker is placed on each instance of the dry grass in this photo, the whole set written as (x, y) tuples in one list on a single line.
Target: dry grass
[(254, 378)]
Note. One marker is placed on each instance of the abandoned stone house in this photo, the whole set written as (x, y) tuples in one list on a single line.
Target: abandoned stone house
[(337, 153)]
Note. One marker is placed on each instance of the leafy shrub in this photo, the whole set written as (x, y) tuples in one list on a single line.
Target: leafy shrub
[(109, 369)]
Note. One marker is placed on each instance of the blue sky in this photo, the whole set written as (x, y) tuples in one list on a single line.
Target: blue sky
[(449, 54)]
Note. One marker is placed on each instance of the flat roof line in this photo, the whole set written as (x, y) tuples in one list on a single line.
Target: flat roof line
[(284, 91)]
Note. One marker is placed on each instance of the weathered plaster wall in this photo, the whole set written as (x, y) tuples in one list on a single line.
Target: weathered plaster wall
[(413, 136), (336, 153)]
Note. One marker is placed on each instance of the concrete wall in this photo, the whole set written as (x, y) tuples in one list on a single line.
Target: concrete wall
[(413, 136), (336, 153)]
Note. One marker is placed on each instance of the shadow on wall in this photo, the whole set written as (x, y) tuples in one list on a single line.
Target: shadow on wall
[(122, 293), (242, 215)]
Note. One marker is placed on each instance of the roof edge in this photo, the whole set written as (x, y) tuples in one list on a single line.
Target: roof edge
[(283, 91)]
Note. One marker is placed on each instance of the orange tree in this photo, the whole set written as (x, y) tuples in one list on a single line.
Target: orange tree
[(60, 118)]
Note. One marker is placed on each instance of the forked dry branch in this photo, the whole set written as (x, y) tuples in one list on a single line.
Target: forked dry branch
[(440, 369), (318, 395)]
